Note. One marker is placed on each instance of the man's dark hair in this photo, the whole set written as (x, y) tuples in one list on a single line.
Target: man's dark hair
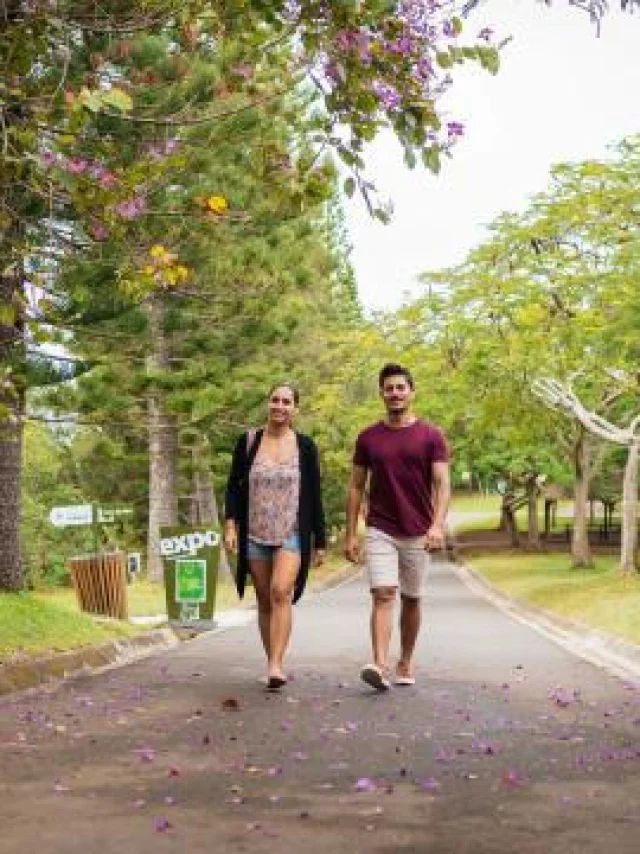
[(393, 370)]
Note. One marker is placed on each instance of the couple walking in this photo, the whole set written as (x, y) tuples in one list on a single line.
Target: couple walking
[(274, 520)]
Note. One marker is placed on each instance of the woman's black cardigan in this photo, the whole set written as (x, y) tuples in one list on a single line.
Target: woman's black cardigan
[(311, 525)]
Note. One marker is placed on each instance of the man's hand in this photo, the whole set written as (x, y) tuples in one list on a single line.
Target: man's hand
[(318, 557), (436, 537), (231, 537), (352, 549)]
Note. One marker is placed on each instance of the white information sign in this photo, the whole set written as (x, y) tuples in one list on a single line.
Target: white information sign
[(74, 514)]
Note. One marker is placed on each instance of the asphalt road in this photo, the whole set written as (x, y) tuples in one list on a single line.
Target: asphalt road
[(507, 744)]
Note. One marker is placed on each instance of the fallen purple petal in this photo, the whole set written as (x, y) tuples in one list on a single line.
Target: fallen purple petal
[(163, 825), (365, 784)]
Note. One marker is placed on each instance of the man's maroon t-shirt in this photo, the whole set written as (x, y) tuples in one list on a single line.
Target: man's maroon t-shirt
[(400, 462)]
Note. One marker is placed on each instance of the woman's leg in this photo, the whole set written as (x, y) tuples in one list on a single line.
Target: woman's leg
[(285, 570), (261, 571)]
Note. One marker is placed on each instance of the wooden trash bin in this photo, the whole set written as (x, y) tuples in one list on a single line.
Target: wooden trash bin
[(100, 582)]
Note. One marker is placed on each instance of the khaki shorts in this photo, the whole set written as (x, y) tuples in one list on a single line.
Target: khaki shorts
[(396, 562)]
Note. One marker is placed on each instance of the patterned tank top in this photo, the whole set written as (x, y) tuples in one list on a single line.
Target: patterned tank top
[(274, 492)]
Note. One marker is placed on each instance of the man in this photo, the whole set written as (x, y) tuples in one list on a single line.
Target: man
[(406, 460)]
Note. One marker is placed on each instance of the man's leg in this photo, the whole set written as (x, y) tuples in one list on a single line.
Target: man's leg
[(412, 568), (383, 601), (410, 617), (381, 556)]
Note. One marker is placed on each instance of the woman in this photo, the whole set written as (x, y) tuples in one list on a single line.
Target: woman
[(274, 520)]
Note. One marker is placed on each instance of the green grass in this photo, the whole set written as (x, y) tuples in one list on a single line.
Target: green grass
[(145, 598), (599, 597), (473, 501), (33, 625), (49, 619)]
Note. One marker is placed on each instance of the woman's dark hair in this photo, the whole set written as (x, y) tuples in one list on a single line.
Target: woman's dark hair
[(393, 370), (290, 386)]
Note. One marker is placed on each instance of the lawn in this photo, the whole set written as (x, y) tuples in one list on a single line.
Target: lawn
[(49, 620), (32, 624), (476, 503), (599, 597)]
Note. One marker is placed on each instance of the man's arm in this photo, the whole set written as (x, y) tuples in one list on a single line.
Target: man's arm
[(441, 498), (357, 483)]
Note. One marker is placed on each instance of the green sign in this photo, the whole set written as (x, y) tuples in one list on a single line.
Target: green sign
[(191, 580), (190, 557)]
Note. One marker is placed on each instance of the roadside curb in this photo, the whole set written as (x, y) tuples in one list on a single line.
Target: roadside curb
[(608, 652), (53, 668), (25, 673)]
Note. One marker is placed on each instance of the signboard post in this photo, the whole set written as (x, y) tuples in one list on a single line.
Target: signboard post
[(190, 557)]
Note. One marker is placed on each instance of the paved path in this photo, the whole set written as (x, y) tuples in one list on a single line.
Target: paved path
[(507, 744)]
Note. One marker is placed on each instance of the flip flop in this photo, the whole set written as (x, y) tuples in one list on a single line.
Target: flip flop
[(374, 677), (275, 683)]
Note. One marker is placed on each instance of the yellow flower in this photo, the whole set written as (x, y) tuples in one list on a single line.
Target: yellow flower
[(157, 251), (149, 270), (217, 204), (182, 273)]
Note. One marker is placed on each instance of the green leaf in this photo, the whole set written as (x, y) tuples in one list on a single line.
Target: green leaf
[(410, 158), (118, 99), (431, 159), (7, 315), (349, 186), (444, 60)]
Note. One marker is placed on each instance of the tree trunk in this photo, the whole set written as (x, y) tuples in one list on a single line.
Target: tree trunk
[(11, 348), (11, 423), (533, 528), (580, 550), (163, 443), (629, 509), (508, 521), (204, 507)]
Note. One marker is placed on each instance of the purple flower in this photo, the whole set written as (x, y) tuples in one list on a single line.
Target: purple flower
[(365, 784), (108, 180), (333, 71), (402, 46), (486, 33), (424, 68), (77, 165), (162, 825), (455, 129), (131, 209), (562, 697), (99, 231), (388, 96), (428, 784), (449, 30), (512, 778), (48, 159)]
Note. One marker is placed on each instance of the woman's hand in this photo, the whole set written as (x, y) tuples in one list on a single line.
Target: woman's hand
[(231, 537)]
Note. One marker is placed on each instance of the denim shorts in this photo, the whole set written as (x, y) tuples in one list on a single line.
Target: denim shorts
[(263, 551)]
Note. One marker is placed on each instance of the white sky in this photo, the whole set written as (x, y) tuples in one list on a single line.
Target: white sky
[(561, 94)]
